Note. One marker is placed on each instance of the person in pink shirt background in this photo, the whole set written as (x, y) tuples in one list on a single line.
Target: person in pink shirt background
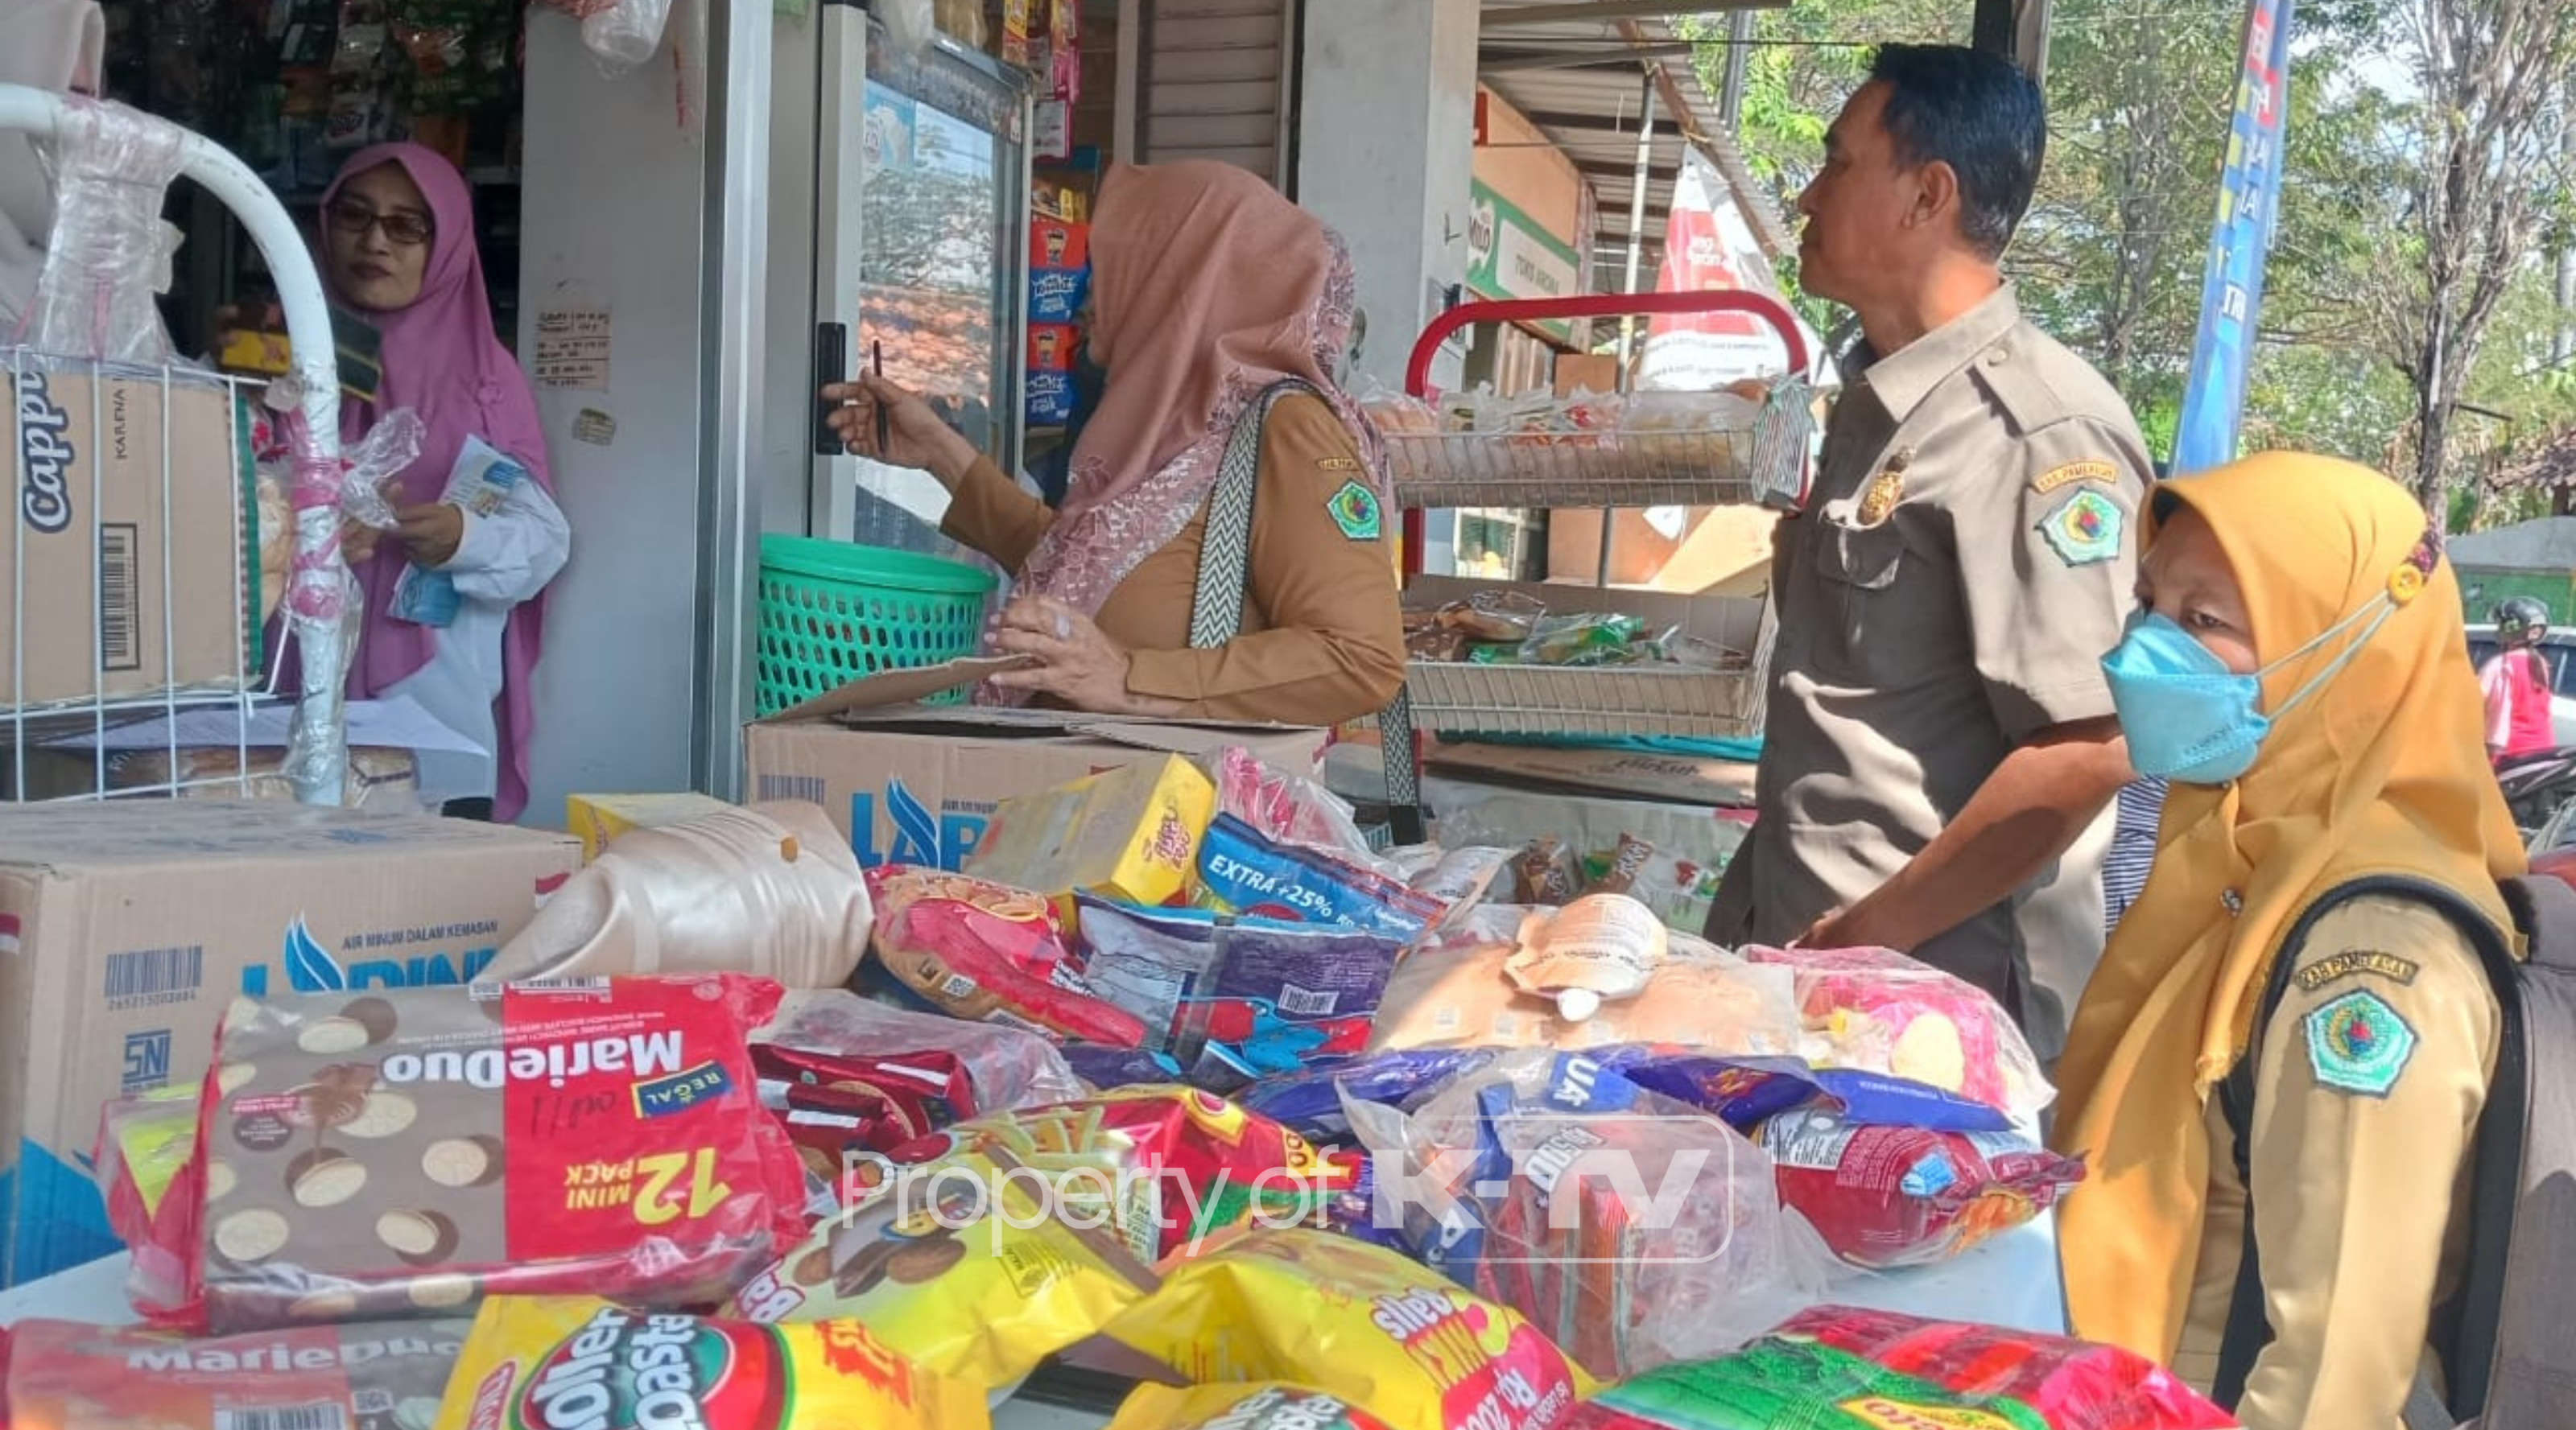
[(2516, 680)]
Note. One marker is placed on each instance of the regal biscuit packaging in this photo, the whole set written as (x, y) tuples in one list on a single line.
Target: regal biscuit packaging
[(407, 1153), (360, 1376)]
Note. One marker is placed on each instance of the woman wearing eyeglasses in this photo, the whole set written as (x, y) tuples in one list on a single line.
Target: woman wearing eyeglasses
[(398, 248)]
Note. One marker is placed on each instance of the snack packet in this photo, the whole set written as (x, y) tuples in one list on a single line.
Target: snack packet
[(358, 1376), (1903, 1196), (1627, 864), (1835, 1368), (1243, 873), (1362, 1325), (145, 1145), (1271, 1405), (1005, 1067), (1744, 1093), (833, 1107), (1544, 873), (1129, 833), (1285, 809), (1102, 1068), (986, 953), (1632, 1229), (1309, 1102), (573, 1363), (408, 1151), (1598, 948), (1235, 999), (1459, 880), (1884, 1012)]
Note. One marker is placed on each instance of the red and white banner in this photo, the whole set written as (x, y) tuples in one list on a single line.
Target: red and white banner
[(1707, 244)]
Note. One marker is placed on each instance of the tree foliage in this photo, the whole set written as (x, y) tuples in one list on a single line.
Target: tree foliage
[(2423, 187)]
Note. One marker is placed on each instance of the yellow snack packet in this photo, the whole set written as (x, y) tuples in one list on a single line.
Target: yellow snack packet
[(1270, 1405), (1360, 1323), (967, 1266), (574, 1363)]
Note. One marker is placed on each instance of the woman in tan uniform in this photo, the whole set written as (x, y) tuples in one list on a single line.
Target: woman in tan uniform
[(2331, 833), (1216, 304)]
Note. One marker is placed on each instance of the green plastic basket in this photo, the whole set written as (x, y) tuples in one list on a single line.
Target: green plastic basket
[(831, 612)]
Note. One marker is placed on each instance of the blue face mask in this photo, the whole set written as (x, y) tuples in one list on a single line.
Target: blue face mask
[(2186, 715)]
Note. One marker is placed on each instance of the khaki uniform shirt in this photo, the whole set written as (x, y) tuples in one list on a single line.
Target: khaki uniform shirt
[(1966, 558), (2370, 1078), (1323, 637)]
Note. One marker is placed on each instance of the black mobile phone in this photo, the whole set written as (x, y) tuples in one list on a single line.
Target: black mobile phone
[(831, 364)]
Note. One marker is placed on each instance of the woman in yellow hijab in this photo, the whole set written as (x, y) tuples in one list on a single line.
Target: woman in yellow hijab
[(2332, 839)]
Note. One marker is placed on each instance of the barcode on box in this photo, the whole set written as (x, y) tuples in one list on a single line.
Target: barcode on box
[(154, 975), (802, 787), (1306, 1002), (283, 1417), (120, 600)]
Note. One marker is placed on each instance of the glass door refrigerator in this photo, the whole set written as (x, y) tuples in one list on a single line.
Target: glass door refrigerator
[(921, 250)]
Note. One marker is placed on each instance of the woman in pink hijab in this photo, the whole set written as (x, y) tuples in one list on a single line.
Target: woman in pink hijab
[(1219, 312), (398, 249)]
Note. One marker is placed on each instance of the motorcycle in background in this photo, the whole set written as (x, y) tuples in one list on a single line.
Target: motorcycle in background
[(2540, 790)]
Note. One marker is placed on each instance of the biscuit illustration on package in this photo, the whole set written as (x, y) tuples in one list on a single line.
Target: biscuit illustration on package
[(404, 1153)]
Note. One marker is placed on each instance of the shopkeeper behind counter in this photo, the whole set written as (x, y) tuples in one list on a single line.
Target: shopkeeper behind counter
[(1219, 312)]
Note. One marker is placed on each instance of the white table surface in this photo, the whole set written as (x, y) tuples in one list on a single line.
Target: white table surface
[(2011, 1281)]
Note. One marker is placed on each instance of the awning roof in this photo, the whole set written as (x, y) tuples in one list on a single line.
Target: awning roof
[(1579, 71)]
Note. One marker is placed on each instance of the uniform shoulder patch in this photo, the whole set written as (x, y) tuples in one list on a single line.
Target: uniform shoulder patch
[(1337, 464), (2353, 962), (2357, 1043), (2069, 473), (1355, 510), (2083, 529)]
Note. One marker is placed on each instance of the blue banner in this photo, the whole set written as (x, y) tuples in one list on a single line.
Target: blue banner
[(2249, 192)]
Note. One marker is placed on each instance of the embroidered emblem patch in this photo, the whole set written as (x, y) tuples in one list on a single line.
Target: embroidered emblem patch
[(2353, 961), (1337, 464), (2073, 472), (2359, 1044), (2084, 529), (1355, 511), (1885, 490)]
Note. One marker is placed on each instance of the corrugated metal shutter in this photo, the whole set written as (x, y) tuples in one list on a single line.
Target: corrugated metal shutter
[(1214, 83)]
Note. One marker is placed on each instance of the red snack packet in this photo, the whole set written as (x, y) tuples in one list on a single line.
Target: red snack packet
[(406, 1152), (363, 1376), (986, 953), (1900, 1196), (834, 1105), (1183, 1163)]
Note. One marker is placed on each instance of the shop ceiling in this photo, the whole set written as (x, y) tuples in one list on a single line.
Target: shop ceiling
[(1581, 70)]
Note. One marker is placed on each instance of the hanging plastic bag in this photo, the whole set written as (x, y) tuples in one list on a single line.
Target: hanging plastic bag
[(626, 35), (110, 251)]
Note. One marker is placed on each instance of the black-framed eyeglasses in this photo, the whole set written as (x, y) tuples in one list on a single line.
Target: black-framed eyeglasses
[(353, 217)]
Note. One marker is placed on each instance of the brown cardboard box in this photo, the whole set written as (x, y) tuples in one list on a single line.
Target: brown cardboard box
[(1721, 551), (86, 456), (127, 928), (1577, 372), (916, 784)]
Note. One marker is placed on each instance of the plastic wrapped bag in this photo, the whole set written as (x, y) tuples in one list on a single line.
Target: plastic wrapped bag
[(574, 1363), (1310, 1101), (626, 34), (1242, 871), (984, 952), (987, 1248), (1699, 997), (408, 1151), (1835, 1368), (1289, 809), (770, 890), (1633, 1229), (385, 1375), (1360, 1324), (1882, 1011), (109, 255), (145, 1145), (1237, 998), (1903, 1196), (1008, 1067)]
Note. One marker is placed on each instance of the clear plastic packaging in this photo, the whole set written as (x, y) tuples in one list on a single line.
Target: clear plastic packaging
[(381, 1375), (110, 251), (367, 469), (1634, 1229), (1814, 1369), (1008, 1067), (1291, 809), (1878, 1010), (1906, 1196), (985, 952), (626, 34), (1458, 995)]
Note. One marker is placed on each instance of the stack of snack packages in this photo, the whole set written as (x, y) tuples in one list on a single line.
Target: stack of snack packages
[(1176, 1064), (1059, 284)]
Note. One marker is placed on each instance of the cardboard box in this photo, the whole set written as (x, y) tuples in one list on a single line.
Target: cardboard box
[(87, 455), (126, 929), (1576, 372), (598, 819), (916, 784)]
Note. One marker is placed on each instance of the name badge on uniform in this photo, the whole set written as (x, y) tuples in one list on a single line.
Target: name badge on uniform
[(1886, 489)]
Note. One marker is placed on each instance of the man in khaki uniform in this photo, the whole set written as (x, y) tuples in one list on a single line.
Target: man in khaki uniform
[(1939, 733)]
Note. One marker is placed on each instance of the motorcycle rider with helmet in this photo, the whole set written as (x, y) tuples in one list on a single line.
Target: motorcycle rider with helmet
[(2516, 681)]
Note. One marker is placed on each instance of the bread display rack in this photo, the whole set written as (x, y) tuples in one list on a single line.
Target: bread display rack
[(138, 702), (1760, 458)]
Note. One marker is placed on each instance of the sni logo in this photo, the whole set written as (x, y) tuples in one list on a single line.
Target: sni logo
[(935, 841), (147, 1060), (310, 968), (47, 502)]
